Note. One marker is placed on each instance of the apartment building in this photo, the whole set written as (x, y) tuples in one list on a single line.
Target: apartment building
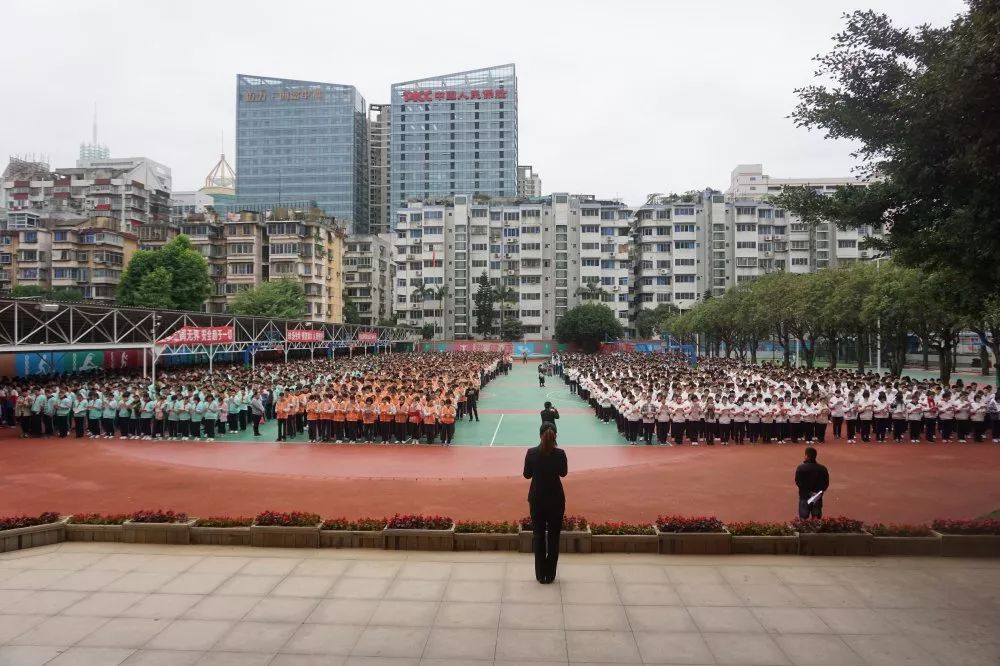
[(748, 182), (369, 276), (529, 183), (87, 255), (546, 251), (379, 167)]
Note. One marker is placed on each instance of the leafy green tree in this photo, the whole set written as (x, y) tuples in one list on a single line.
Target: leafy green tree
[(895, 301), (281, 299), (427, 331), (922, 104), (504, 295), (588, 325), (54, 294), (591, 291), (351, 313), (987, 325), (511, 329), (649, 323), (156, 289), (188, 275), (483, 308)]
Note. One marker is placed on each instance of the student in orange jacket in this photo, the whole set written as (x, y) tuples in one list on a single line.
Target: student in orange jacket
[(369, 415), (399, 420), (325, 418), (353, 414), (281, 413), (447, 423), (430, 413), (312, 416), (386, 412)]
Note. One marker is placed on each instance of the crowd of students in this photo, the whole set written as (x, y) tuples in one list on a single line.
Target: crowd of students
[(661, 396), (389, 398)]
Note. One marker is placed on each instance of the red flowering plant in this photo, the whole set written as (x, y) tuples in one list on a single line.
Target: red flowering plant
[(224, 521), (359, 525), (158, 516), (569, 524), (283, 519), (14, 522), (754, 528), (838, 525), (98, 518), (418, 522), (976, 526), (894, 530), (621, 529), (485, 527), (689, 524)]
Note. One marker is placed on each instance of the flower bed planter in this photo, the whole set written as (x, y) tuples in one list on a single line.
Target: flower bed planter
[(624, 543), (221, 536), (766, 545), (279, 536), (969, 545), (29, 537), (351, 539), (419, 539), (835, 543), (486, 541), (908, 546), (178, 533), (85, 532), (695, 543), (574, 541)]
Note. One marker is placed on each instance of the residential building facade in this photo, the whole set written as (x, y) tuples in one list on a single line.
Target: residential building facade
[(379, 167), (303, 141), (544, 251), (453, 134), (529, 183), (369, 276)]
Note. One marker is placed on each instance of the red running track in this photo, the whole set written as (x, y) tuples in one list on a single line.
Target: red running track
[(898, 483)]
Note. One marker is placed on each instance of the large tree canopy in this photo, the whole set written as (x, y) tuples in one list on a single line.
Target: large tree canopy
[(281, 299), (588, 325), (924, 105), (188, 282)]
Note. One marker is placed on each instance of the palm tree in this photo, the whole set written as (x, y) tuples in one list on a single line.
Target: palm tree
[(590, 290), (439, 293), (420, 293), (504, 294)]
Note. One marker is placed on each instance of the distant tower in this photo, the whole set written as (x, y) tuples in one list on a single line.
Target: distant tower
[(94, 150), (220, 183)]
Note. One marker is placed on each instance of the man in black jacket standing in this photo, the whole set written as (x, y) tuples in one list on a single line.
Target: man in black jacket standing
[(549, 415), (471, 398), (811, 478)]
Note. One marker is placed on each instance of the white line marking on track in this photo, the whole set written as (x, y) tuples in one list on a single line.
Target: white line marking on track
[(497, 430)]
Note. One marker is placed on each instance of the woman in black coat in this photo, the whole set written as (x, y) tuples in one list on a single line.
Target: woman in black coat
[(545, 465)]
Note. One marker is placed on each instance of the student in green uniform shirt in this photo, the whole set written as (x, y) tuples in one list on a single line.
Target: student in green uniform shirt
[(183, 418), (37, 407), (63, 409), (233, 413), (172, 408), (211, 415), (79, 413), (108, 417), (49, 413), (244, 404), (125, 416), (96, 405), (146, 418), (197, 416)]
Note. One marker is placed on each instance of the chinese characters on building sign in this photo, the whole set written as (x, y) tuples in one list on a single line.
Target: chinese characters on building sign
[(367, 336), (452, 95), (303, 335), (281, 95), (200, 335)]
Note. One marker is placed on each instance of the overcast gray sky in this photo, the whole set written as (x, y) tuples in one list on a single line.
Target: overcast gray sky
[(617, 98)]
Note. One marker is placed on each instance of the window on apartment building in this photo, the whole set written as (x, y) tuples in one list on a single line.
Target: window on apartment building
[(590, 262), (662, 280), (531, 246), (683, 228), (800, 261), (663, 298), (683, 262), (531, 230), (433, 215), (684, 296), (842, 243), (779, 214), (744, 210), (684, 211), (241, 269), (589, 229), (590, 212), (531, 296), (746, 245), (684, 245), (684, 278), (663, 214)]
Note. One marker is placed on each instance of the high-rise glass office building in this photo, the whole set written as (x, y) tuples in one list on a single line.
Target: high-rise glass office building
[(302, 141), (454, 134)]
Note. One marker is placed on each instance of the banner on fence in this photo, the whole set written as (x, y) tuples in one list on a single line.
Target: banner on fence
[(303, 335), (200, 335)]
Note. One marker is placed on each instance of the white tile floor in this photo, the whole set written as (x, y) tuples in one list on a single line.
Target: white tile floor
[(109, 604)]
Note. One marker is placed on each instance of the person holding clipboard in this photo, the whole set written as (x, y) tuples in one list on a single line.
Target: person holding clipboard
[(812, 480)]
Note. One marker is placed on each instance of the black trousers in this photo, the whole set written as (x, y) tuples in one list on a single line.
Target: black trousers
[(473, 409), (807, 510), (546, 522), (79, 421), (898, 428), (838, 426)]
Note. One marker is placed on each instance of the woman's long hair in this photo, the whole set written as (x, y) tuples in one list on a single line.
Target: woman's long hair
[(548, 441)]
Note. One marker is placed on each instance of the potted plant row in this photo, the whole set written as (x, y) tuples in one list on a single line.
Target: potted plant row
[(617, 537), (95, 527), (361, 533), (762, 538), (158, 526), (18, 532), (416, 532), (968, 538), (832, 536), (222, 531), (698, 535), (574, 537), (486, 535), (278, 529)]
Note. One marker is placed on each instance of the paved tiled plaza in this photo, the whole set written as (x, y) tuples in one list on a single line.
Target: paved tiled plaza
[(86, 604)]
